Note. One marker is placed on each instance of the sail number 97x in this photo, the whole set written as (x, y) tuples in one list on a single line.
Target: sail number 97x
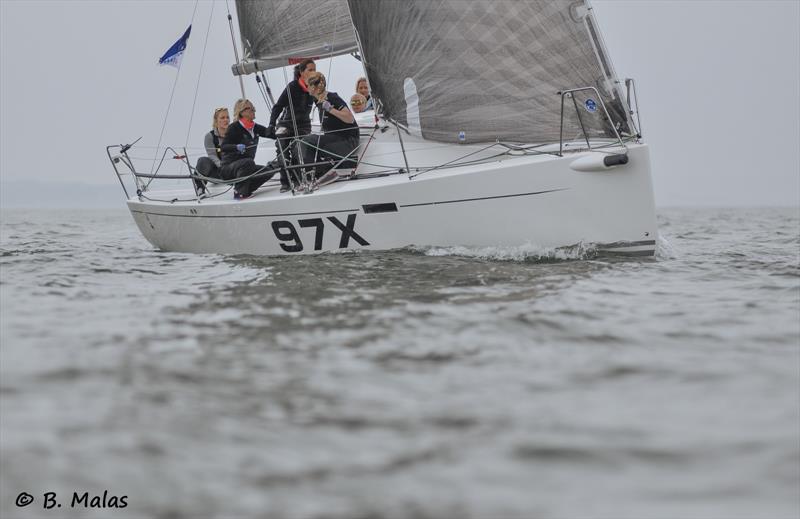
[(290, 240)]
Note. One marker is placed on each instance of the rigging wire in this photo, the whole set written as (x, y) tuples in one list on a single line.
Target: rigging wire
[(391, 170), (511, 147), (333, 42), (169, 105), (264, 89), (199, 74), (492, 145), (295, 138), (269, 90), (323, 114), (330, 67), (268, 96)]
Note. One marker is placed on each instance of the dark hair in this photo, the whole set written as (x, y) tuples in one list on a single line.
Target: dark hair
[(301, 67)]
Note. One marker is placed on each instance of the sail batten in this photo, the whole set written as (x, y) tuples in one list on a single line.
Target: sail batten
[(487, 69), (276, 33)]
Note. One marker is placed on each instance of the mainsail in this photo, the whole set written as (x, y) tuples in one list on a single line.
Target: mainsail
[(481, 70), (276, 33)]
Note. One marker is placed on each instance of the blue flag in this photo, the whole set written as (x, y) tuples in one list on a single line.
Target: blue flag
[(173, 56)]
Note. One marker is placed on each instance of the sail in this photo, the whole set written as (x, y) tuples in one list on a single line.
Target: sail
[(276, 33), (477, 71)]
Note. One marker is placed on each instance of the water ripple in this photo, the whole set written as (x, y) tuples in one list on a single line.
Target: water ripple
[(423, 382)]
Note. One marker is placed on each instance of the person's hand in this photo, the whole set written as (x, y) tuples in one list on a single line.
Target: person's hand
[(240, 148), (270, 132), (326, 105)]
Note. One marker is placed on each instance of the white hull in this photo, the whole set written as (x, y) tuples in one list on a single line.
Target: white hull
[(541, 200)]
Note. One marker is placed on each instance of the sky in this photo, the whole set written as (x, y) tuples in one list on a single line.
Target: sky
[(718, 83)]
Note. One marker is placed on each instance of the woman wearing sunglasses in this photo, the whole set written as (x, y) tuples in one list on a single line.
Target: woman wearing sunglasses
[(358, 103), (239, 150), (340, 132)]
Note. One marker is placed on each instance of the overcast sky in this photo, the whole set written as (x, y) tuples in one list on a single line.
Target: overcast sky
[(719, 88)]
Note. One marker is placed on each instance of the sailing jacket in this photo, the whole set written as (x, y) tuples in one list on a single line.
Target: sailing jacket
[(237, 134), (301, 103)]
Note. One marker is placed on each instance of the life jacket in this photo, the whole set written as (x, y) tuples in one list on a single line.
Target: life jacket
[(217, 147)]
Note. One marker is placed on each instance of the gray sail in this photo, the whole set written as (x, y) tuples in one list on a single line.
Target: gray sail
[(276, 33), (480, 70)]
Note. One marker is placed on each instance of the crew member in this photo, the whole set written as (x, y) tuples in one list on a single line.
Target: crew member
[(340, 131), (239, 150), (292, 113)]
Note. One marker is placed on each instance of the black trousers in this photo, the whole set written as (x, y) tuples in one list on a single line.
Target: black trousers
[(331, 146), (207, 168), (242, 168), (286, 150)]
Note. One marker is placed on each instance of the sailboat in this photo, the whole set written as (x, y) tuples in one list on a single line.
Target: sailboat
[(497, 123)]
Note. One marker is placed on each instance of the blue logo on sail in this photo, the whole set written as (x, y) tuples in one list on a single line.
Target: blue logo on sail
[(174, 54), (591, 105)]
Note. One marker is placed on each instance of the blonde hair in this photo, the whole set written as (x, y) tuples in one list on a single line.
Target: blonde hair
[(317, 77), (361, 80), (240, 105), (214, 117)]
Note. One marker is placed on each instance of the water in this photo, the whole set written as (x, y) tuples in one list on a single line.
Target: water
[(433, 383)]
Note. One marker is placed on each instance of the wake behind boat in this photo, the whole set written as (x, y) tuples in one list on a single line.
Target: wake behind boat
[(526, 138)]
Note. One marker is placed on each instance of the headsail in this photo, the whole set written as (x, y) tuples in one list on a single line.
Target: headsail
[(456, 71), (276, 33)]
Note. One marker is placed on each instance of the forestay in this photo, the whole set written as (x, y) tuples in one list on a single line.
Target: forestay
[(276, 33), (482, 70)]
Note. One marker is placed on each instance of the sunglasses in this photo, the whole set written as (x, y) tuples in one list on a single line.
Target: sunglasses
[(218, 110), (357, 102)]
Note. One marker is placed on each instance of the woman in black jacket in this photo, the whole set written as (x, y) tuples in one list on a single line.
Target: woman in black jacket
[(292, 113), (239, 150), (340, 135)]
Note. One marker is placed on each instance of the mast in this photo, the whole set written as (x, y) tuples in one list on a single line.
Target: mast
[(235, 50)]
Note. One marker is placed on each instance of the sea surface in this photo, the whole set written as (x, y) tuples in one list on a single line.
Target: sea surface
[(421, 383)]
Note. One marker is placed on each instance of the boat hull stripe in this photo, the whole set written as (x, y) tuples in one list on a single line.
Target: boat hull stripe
[(484, 198), (442, 202), (243, 215)]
